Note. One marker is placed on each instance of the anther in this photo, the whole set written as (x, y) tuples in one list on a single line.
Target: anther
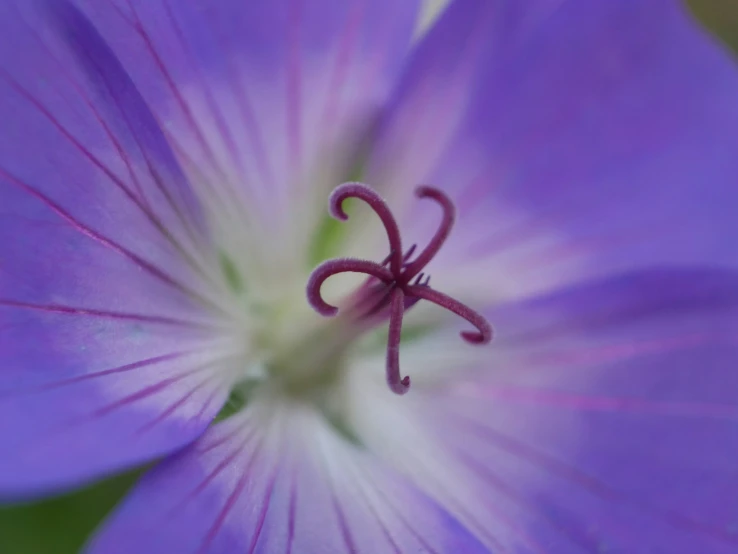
[(401, 284)]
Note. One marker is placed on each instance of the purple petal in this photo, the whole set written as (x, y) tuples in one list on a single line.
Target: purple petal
[(105, 322), (254, 95), (578, 138), (287, 483), (604, 418)]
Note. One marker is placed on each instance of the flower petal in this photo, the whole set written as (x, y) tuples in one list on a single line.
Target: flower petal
[(578, 138), (102, 247), (603, 418), (278, 480), (254, 94)]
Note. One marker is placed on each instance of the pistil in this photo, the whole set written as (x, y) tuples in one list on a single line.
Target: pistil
[(398, 282)]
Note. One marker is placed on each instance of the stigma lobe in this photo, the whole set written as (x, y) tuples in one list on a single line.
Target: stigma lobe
[(401, 278)]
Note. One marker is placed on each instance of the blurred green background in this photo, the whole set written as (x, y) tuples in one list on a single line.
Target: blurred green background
[(61, 525), (721, 17)]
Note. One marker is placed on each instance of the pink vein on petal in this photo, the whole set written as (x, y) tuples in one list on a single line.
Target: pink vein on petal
[(105, 241), (223, 464), (576, 401), (346, 535), (103, 373), (461, 509), (504, 241), (564, 252), (151, 166), (73, 310), (96, 114), (291, 517), (348, 539), (173, 407), (340, 70), (457, 84), (219, 441), (294, 77), (151, 390), (263, 512), (246, 114), (115, 179), (233, 199), (479, 187), (230, 501), (625, 351), (219, 391), (591, 484), (407, 525), (172, 85), (486, 474), (223, 129), (368, 503), (140, 200), (139, 395), (399, 512)]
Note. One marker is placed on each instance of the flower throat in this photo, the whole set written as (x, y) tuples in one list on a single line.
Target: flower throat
[(395, 284)]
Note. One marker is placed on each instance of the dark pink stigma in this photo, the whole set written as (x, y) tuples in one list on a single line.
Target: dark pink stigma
[(402, 278)]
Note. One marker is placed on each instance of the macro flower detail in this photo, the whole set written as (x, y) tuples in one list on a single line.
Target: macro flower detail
[(167, 265), (394, 290)]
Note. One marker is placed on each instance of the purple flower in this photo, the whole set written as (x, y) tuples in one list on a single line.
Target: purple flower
[(165, 167)]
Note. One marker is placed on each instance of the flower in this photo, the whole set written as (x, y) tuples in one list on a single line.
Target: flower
[(164, 172)]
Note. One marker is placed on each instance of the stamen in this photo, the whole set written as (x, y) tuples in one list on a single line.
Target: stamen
[(362, 192), (409, 253), (396, 384), (483, 336), (396, 289), (405, 258), (333, 267), (435, 244)]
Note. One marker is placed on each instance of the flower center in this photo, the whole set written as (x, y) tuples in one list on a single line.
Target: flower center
[(395, 284)]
